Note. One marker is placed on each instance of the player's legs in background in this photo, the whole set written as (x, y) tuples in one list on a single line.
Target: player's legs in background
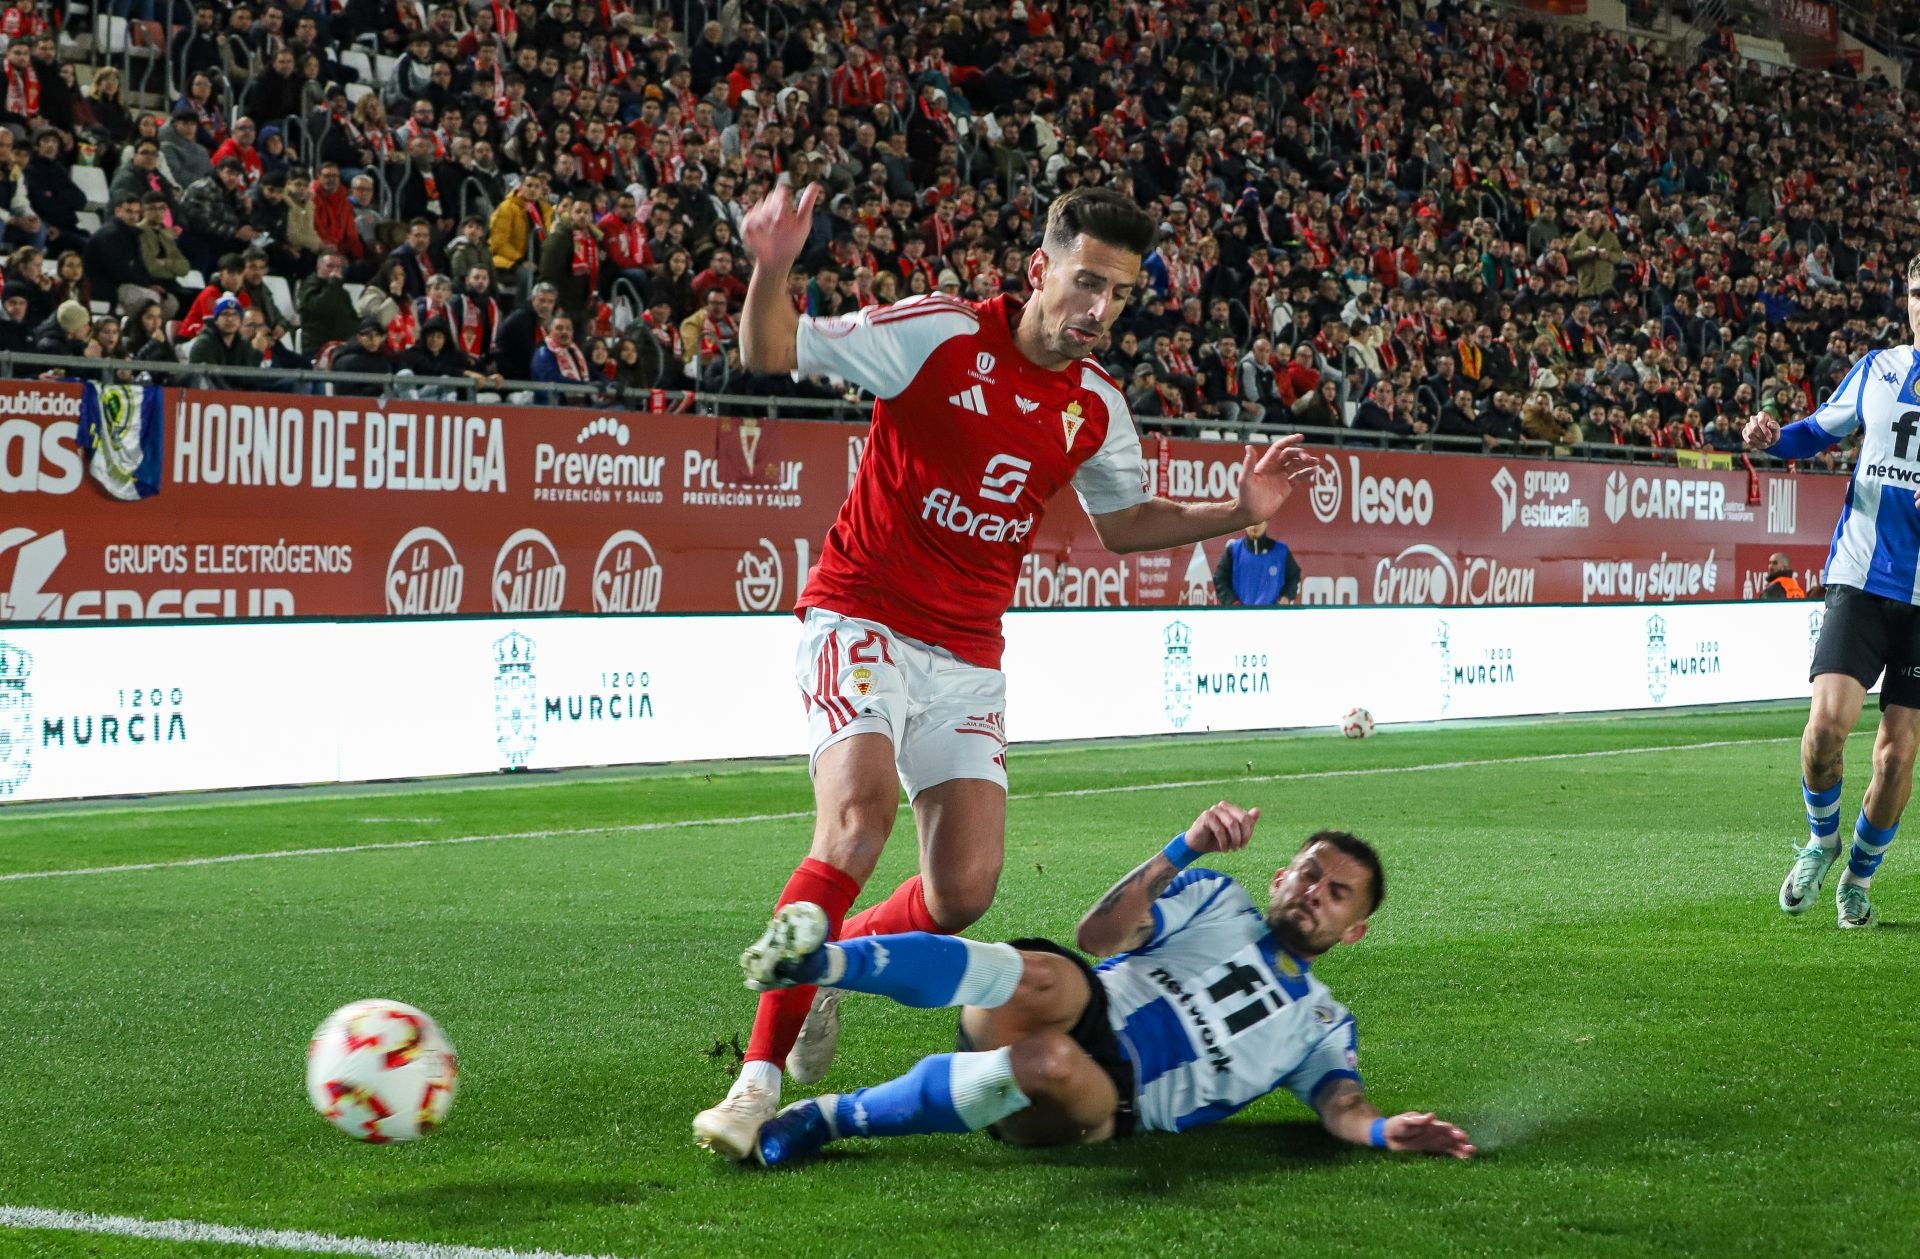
[(953, 761), (962, 827), (952, 758), (1837, 700), (963, 839), (1894, 746), (856, 798), (963, 835)]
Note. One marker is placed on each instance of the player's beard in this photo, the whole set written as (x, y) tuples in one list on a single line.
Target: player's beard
[(1287, 929)]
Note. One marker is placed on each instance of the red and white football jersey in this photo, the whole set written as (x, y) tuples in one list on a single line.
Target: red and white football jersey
[(969, 442)]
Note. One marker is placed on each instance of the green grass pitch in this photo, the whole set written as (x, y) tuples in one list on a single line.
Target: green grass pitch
[(1580, 960)]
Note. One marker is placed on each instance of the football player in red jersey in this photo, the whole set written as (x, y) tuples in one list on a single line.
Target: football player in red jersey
[(984, 411)]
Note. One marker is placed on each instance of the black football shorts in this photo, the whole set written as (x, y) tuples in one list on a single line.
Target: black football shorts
[(1093, 1033), (1865, 635)]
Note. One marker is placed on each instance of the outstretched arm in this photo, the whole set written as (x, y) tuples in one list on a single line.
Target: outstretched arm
[(1123, 919), (1830, 422), (1266, 481), (1347, 1114), (1797, 440)]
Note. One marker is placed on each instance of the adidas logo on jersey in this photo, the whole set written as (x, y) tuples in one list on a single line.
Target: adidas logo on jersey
[(970, 399)]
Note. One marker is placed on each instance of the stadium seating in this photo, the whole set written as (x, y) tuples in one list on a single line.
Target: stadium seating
[(1650, 233)]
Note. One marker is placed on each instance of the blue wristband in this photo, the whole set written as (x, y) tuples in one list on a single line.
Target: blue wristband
[(1377, 1134), (1177, 852)]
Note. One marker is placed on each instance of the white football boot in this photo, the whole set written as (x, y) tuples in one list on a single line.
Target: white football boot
[(1805, 875), (819, 1037), (730, 1128)]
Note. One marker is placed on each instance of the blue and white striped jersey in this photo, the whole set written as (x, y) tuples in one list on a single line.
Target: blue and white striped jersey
[(1216, 1014), (1876, 545)]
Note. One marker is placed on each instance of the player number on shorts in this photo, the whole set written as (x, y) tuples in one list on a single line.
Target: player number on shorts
[(870, 650)]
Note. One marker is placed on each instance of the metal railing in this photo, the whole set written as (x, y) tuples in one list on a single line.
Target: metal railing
[(407, 388), (467, 187), (403, 386)]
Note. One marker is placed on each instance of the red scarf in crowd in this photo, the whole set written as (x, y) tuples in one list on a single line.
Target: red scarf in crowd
[(536, 226), (586, 258), (571, 362), (667, 334), (18, 22), (23, 92), (499, 78), (472, 330), (505, 24), (404, 330), (595, 164), (414, 129), (908, 266), (626, 242)]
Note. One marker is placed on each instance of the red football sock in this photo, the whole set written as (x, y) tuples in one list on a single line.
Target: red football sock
[(776, 1024), (905, 910)]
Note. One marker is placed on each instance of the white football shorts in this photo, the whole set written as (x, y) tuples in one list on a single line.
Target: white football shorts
[(946, 718)]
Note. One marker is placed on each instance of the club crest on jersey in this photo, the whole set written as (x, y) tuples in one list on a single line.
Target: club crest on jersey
[(1070, 422), (862, 680)]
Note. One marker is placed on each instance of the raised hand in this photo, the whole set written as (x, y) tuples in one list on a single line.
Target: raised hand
[(776, 230), (1760, 431), (1225, 827), (1415, 1133), (1267, 477)]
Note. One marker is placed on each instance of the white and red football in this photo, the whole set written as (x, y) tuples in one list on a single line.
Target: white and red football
[(1357, 724), (382, 1071)]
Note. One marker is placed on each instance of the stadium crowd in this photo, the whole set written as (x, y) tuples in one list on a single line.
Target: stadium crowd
[(1403, 218)]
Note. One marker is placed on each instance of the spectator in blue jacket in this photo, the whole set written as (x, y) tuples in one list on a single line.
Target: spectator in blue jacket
[(1257, 572)]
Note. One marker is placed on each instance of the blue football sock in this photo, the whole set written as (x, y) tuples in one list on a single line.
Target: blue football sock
[(961, 1092), (1823, 814), (1870, 844), (917, 968)]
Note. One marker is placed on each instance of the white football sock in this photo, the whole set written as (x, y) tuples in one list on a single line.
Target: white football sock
[(760, 1075), (983, 1088)]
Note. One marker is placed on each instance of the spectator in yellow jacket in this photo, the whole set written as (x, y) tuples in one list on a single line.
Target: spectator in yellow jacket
[(520, 223)]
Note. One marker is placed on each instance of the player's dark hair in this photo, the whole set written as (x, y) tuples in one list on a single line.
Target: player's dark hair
[(1361, 851), (1913, 271), (1104, 215)]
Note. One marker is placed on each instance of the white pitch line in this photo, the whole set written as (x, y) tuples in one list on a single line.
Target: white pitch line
[(258, 1238), (1370, 771), (634, 828), (555, 833)]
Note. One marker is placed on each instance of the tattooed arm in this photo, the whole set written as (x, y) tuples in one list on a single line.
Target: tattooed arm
[(1123, 919)]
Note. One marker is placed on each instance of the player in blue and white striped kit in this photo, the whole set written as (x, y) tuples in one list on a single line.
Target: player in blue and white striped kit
[(1872, 623), (1205, 1005)]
